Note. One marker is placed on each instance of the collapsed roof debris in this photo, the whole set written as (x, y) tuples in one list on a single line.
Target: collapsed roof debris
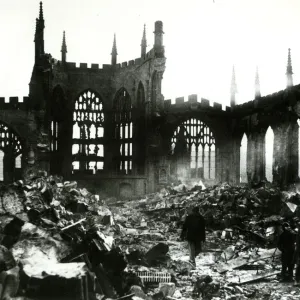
[(61, 240)]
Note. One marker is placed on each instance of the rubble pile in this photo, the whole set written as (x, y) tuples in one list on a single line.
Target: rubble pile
[(243, 226), (60, 240), (254, 213)]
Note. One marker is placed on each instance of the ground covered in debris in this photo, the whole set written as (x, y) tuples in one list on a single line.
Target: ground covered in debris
[(59, 241)]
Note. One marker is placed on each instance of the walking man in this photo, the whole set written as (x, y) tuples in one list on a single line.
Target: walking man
[(193, 231), (286, 244), (297, 256)]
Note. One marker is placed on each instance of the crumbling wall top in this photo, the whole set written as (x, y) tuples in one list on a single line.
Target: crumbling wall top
[(15, 103), (193, 104)]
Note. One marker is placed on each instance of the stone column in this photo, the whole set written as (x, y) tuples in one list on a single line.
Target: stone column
[(251, 158), (256, 157), (260, 165), (294, 152), (236, 158), (66, 152), (224, 163), (159, 96), (281, 154), (8, 166)]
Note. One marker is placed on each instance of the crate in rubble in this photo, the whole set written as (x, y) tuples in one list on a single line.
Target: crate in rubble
[(153, 277)]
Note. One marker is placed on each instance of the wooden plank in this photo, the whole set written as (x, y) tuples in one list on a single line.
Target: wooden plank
[(257, 277), (240, 261)]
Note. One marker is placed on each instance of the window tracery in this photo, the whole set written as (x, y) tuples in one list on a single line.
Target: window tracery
[(88, 133), (123, 134), (193, 142)]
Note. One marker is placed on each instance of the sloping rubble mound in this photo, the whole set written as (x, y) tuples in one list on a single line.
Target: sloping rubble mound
[(61, 241), (53, 238)]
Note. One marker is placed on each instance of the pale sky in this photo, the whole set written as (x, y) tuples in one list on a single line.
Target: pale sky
[(203, 39)]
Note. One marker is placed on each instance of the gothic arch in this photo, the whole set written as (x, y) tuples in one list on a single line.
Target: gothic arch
[(123, 133), (11, 147), (193, 150), (243, 158), (88, 89), (57, 104), (269, 153), (88, 133), (141, 99)]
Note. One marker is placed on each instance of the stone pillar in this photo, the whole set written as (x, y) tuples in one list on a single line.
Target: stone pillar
[(159, 99), (251, 158), (218, 177), (256, 157), (285, 169), (281, 154), (224, 163), (8, 166), (67, 146), (260, 165), (294, 152), (236, 158)]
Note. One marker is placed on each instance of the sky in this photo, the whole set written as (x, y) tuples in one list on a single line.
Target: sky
[(203, 40)]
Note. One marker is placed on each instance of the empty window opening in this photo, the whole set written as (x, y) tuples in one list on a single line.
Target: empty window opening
[(193, 146), (54, 136), (269, 145), (10, 144), (243, 159), (1, 165), (88, 133), (18, 162), (123, 133)]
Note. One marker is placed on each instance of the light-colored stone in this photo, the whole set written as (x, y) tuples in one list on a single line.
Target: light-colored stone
[(168, 289)]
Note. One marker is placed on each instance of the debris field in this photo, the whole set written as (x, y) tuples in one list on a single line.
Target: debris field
[(59, 241)]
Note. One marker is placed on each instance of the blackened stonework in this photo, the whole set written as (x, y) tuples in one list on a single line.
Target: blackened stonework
[(110, 128)]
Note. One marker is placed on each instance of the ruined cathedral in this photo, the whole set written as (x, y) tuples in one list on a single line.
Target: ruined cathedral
[(111, 128)]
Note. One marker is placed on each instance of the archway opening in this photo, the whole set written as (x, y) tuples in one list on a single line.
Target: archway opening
[(243, 159), (193, 151), (269, 147)]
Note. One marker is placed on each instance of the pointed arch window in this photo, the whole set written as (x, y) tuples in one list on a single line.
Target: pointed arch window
[(54, 136), (243, 159), (57, 115), (269, 145), (88, 133), (10, 151), (123, 134), (193, 146)]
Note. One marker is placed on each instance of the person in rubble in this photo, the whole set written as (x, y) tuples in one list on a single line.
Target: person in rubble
[(297, 255), (193, 230), (286, 244)]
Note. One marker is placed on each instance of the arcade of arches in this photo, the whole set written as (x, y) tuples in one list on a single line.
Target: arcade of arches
[(111, 127)]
